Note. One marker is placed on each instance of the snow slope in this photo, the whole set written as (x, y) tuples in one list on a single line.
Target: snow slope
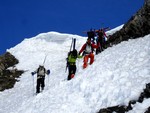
[(119, 74)]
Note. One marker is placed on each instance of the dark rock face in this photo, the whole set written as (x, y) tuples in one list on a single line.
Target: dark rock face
[(8, 76), (137, 26), (123, 109), (148, 110), (7, 60), (8, 79)]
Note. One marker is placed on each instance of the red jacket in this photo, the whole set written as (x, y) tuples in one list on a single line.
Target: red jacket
[(84, 47)]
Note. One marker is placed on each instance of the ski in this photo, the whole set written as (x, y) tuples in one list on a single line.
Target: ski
[(74, 43)]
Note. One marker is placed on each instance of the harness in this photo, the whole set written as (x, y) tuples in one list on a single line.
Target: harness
[(72, 63)]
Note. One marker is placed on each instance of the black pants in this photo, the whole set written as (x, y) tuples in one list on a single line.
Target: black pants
[(40, 82), (101, 40), (72, 70), (98, 50)]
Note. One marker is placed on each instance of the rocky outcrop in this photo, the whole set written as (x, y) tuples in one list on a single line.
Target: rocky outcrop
[(7, 60), (137, 26), (8, 77), (123, 109)]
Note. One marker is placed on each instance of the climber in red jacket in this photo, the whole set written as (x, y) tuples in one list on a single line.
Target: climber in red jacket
[(87, 50)]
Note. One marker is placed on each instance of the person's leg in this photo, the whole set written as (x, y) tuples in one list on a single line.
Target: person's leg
[(42, 83), (85, 64), (91, 56), (70, 72), (73, 71), (38, 86)]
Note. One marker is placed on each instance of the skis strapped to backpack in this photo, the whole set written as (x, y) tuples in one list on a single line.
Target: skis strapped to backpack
[(73, 45)]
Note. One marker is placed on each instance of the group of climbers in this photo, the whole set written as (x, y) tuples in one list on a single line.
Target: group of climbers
[(87, 51)]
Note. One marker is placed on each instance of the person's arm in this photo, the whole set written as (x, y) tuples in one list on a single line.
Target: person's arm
[(34, 72), (78, 56), (82, 49), (47, 71)]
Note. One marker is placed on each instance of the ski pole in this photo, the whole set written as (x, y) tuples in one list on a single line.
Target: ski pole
[(48, 82), (45, 59), (48, 73), (32, 73), (33, 84)]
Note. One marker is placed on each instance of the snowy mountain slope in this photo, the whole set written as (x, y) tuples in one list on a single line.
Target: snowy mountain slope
[(112, 31), (118, 75)]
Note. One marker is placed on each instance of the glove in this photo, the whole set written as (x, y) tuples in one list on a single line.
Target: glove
[(79, 53), (32, 73), (48, 72), (66, 59)]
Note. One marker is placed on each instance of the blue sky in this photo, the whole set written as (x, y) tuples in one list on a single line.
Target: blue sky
[(21, 19)]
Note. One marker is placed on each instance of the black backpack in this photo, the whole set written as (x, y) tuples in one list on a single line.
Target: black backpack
[(100, 34), (91, 34)]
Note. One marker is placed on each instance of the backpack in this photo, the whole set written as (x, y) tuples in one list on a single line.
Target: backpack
[(41, 71), (100, 34), (91, 34)]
